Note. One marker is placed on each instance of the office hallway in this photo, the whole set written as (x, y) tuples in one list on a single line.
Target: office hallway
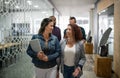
[(20, 19)]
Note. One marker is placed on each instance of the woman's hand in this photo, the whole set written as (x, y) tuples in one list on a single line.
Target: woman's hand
[(77, 71), (42, 56), (45, 58)]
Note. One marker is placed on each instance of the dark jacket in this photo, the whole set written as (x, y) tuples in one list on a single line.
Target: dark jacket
[(56, 31), (83, 33), (52, 51)]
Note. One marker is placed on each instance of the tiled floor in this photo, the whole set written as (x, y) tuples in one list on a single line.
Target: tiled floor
[(86, 74), (23, 68)]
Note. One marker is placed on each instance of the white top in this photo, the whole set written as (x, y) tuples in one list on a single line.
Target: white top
[(69, 54)]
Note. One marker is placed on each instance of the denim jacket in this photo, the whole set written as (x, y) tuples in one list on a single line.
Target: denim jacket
[(52, 50)]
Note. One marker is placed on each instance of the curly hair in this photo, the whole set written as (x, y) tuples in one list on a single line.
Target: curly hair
[(76, 32)]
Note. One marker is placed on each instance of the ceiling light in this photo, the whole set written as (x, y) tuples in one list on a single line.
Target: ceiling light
[(29, 2), (43, 12), (36, 6)]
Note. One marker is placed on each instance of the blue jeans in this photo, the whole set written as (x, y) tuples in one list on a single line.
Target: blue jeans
[(68, 71)]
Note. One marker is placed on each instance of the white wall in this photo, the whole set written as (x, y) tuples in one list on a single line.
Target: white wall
[(64, 21)]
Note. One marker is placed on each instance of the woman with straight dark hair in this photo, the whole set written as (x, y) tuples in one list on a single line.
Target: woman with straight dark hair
[(72, 52), (45, 60)]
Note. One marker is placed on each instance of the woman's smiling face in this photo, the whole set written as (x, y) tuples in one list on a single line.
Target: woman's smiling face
[(49, 27), (69, 31)]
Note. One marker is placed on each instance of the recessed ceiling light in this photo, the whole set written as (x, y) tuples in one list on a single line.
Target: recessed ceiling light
[(43, 12), (29, 2), (36, 6)]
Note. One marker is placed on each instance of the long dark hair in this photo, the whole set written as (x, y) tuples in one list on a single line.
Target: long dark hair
[(76, 32), (44, 23)]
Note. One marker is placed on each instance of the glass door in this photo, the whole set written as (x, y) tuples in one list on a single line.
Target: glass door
[(106, 20)]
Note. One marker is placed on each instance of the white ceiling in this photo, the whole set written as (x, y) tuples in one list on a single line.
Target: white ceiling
[(25, 4), (79, 8)]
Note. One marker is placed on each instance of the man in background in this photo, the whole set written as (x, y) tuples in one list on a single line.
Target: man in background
[(56, 30), (72, 20)]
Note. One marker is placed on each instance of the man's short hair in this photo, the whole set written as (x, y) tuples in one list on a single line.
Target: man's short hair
[(73, 18)]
